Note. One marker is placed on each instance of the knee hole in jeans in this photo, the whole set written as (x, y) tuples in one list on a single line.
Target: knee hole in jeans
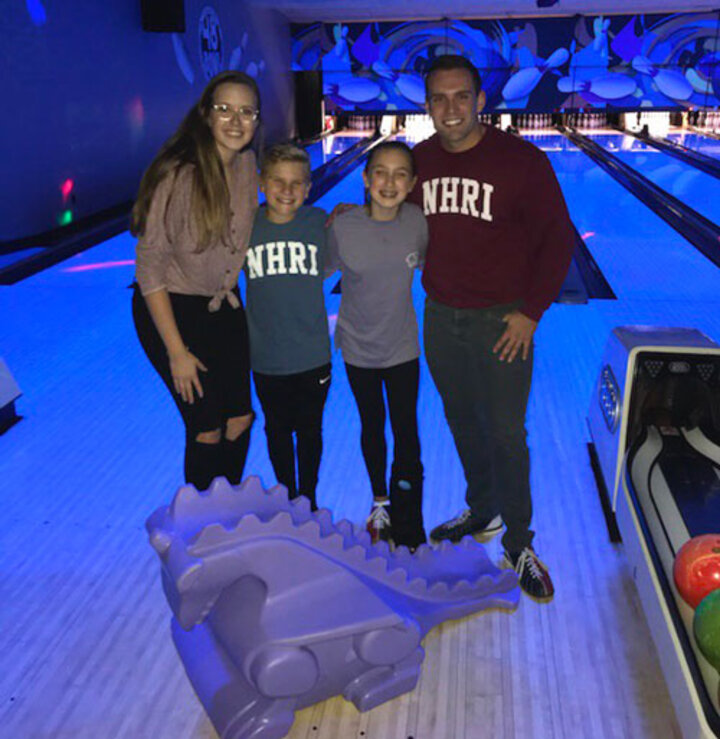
[(209, 437), (237, 426)]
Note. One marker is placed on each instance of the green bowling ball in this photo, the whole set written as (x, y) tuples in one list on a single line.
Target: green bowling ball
[(706, 626)]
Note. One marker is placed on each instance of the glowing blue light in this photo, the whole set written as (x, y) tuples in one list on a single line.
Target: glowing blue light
[(37, 11)]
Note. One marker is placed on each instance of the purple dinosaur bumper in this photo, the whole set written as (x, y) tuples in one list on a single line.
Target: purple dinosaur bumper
[(276, 608)]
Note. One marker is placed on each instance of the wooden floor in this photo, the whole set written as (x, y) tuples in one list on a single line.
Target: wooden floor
[(84, 639)]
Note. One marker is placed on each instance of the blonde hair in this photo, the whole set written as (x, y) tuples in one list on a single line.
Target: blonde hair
[(285, 152)]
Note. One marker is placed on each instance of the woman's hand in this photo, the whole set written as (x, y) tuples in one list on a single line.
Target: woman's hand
[(184, 368)]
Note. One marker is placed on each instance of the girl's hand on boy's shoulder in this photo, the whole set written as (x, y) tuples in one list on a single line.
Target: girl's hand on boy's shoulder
[(338, 210)]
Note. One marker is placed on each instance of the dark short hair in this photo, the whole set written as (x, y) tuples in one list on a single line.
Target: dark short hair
[(391, 146), (452, 61)]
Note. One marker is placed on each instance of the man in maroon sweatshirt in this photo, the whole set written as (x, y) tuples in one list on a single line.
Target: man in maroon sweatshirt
[(500, 245)]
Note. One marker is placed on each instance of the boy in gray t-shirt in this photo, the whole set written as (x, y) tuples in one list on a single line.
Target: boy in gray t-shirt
[(287, 320)]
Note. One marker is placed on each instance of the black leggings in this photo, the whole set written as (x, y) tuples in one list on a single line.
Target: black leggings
[(220, 341), (401, 386), (294, 404)]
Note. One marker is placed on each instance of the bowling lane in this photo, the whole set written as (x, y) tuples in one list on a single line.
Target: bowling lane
[(351, 188), (108, 265), (640, 255), (697, 189), (328, 147), (697, 142)]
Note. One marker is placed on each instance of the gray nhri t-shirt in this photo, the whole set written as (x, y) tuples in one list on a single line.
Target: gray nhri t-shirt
[(376, 325), (285, 269)]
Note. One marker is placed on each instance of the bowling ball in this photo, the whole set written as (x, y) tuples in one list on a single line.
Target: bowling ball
[(706, 626), (697, 568)]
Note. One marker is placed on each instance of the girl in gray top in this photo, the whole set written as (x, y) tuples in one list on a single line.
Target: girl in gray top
[(377, 248)]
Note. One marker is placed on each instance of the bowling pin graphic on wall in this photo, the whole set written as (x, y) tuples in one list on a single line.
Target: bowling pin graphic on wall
[(605, 86), (619, 61), (669, 82), (410, 86), (38, 15), (600, 40), (338, 58), (351, 89), (210, 46), (237, 53), (254, 69), (524, 81), (181, 56)]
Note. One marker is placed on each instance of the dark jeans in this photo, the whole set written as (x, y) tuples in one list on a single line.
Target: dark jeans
[(220, 341), (294, 404), (485, 401), (401, 386)]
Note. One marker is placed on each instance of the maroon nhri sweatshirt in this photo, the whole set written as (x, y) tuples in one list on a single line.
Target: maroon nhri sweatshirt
[(499, 228)]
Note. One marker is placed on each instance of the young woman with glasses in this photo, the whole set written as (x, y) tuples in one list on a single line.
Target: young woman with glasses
[(193, 217)]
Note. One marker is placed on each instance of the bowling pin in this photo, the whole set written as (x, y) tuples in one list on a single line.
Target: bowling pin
[(669, 82), (607, 86), (355, 89), (524, 81), (411, 87), (181, 56)]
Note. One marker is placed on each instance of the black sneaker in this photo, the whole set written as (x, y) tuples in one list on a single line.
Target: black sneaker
[(533, 575), (466, 524)]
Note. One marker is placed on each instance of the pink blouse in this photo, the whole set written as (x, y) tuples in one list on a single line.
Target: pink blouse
[(166, 254)]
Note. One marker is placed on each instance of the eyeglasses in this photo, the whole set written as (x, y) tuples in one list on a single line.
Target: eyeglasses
[(226, 112)]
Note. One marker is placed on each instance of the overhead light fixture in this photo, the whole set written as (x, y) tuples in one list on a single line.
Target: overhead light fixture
[(546, 3)]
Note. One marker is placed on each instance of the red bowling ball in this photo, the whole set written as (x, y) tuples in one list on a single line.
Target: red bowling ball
[(697, 568)]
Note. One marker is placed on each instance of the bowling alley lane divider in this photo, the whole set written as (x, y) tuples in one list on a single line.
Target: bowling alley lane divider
[(326, 176), (592, 281), (36, 253), (303, 143), (701, 232), (705, 132), (694, 158)]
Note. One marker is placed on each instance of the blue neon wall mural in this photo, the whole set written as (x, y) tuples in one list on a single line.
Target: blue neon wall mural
[(535, 65), (90, 97)]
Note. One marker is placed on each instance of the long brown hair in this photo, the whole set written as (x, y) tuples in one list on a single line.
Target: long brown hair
[(193, 143)]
